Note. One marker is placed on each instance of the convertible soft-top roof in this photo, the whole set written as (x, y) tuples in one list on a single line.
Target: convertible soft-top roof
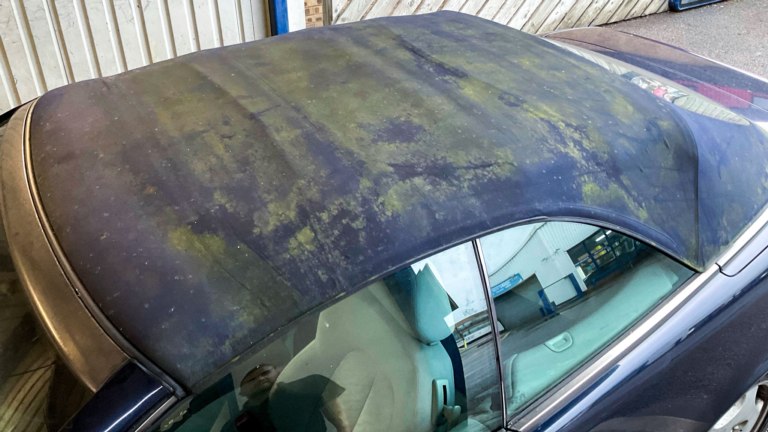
[(206, 201)]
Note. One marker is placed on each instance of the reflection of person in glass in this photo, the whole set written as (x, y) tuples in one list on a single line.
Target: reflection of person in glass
[(301, 405)]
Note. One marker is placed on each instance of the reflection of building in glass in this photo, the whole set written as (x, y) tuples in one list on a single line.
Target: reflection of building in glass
[(539, 268), (545, 274), (472, 328), (574, 288), (313, 11), (603, 254)]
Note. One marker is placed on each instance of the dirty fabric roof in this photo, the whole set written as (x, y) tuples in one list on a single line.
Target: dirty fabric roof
[(208, 200)]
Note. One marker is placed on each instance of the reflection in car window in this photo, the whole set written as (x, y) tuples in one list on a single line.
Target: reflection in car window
[(562, 292), (411, 352), (663, 88), (37, 390)]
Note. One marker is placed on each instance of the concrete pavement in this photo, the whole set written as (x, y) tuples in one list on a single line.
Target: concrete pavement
[(734, 32)]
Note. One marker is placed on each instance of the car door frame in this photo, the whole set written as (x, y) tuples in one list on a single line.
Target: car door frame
[(556, 400)]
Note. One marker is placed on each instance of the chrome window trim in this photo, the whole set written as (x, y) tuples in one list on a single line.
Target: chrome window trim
[(553, 401), (157, 414), (480, 258), (750, 233), (558, 396)]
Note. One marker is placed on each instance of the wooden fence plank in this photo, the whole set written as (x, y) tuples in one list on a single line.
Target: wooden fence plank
[(663, 7), (428, 6), (574, 15), (557, 15), (534, 16), (452, 5), (353, 10), (490, 9), (406, 7), (653, 6), (338, 7), (591, 13), (507, 10), (607, 12), (523, 13), (539, 16), (381, 8), (472, 7), (623, 11), (639, 9)]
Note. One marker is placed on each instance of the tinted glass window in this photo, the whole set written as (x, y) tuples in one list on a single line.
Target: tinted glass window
[(411, 352), (562, 292), (37, 390)]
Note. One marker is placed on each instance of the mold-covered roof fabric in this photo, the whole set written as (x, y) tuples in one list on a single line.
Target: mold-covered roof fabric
[(209, 200)]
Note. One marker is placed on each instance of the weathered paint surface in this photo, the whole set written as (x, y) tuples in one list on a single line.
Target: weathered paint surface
[(207, 201)]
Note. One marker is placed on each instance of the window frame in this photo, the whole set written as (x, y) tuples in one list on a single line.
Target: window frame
[(170, 408), (557, 397), (568, 388), (490, 305), (540, 408)]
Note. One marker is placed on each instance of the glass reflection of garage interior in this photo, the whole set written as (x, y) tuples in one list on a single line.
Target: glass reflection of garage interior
[(413, 351), (416, 350), (562, 292)]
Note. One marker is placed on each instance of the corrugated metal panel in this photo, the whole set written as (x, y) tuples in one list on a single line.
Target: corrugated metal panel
[(534, 16), (49, 43)]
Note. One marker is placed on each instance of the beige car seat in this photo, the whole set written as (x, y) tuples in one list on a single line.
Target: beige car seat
[(382, 345)]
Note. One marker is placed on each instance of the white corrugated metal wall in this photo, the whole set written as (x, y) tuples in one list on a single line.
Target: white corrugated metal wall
[(48, 43)]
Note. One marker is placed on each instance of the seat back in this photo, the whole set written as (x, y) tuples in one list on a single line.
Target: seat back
[(382, 345)]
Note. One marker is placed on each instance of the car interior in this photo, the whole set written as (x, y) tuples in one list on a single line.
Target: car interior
[(412, 352), (392, 352), (531, 371), (570, 305), (384, 346)]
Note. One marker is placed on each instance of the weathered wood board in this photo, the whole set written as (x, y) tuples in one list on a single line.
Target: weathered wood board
[(534, 16)]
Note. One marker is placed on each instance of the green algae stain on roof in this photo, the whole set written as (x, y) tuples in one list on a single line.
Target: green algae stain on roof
[(252, 183)]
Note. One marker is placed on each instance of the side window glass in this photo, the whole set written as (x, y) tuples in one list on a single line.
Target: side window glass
[(413, 351), (562, 292)]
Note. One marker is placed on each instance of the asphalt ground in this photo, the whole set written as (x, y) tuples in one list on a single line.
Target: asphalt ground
[(734, 32)]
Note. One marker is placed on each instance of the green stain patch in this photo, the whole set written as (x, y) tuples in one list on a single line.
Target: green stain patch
[(203, 245), (303, 241), (611, 196)]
